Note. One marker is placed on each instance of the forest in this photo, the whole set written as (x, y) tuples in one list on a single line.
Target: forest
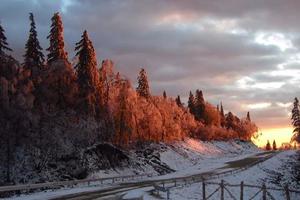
[(52, 110)]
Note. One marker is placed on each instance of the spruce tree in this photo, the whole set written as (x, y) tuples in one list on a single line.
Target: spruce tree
[(87, 73), (268, 146), (230, 121), (274, 146), (143, 86), (33, 58), (164, 94), (57, 45), (178, 101), (222, 111), (296, 121), (199, 105), (248, 117), (191, 103), (222, 119), (3, 42)]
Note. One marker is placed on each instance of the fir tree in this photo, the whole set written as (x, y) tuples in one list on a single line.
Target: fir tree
[(268, 146), (33, 58), (222, 111), (274, 146), (229, 119), (87, 73), (178, 101), (164, 94), (222, 118), (199, 105), (248, 117), (3, 42), (143, 86), (191, 103), (57, 45), (296, 121)]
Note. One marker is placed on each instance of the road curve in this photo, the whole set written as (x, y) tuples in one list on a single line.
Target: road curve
[(234, 166)]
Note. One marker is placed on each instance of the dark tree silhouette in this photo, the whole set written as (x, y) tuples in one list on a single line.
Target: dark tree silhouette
[(191, 103), (222, 118), (3, 42), (229, 120), (248, 117), (178, 101), (274, 146), (87, 73), (164, 94), (268, 146), (57, 45), (33, 58), (222, 111), (143, 85), (199, 105), (296, 121)]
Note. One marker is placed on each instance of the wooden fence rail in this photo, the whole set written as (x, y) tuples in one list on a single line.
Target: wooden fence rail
[(50, 185)]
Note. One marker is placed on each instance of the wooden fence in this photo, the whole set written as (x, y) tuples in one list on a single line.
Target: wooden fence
[(263, 192)]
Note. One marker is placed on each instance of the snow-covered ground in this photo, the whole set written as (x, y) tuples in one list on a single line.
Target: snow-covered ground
[(257, 175), (185, 158)]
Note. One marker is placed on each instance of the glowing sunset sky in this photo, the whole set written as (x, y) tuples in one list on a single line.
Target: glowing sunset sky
[(244, 53)]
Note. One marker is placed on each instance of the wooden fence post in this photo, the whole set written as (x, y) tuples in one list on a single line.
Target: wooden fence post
[(222, 189), (203, 190), (175, 184), (168, 194), (287, 192), (264, 191), (242, 191)]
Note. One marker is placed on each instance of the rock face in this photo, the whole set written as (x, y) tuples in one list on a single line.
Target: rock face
[(105, 156)]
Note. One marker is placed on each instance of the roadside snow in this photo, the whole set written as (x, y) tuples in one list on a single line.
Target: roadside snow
[(186, 158), (256, 175)]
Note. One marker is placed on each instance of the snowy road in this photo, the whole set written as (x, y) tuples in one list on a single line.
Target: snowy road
[(117, 191)]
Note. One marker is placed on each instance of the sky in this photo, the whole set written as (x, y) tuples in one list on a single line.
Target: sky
[(243, 53)]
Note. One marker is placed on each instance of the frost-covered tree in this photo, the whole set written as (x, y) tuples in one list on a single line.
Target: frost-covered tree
[(87, 74), (143, 85), (108, 80), (296, 121), (211, 115), (33, 58), (3, 42), (123, 117), (57, 45)]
